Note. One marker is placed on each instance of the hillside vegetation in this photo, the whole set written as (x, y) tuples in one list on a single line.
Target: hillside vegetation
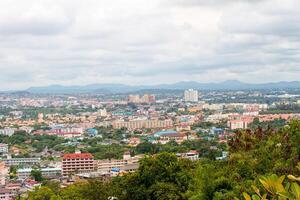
[(262, 164)]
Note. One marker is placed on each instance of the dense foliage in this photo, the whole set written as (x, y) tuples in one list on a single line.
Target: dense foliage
[(253, 156)]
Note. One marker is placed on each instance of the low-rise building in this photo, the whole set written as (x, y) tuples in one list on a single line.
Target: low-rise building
[(224, 156), (5, 194), (192, 155), (7, 131), (128, 163), (139, 124), (46, 172), (3, 173), (22, 161), (3, 148), (166, 136)]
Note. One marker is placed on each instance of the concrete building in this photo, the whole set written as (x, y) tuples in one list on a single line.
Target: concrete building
[(191, 95), (40, 118), (102, 112), (148, 98), (134, 98), (3, 173), (139, 124), (7, 131), (3, 148), (21, 161), (166, 136), (5, 194), (237, 124), (191, 155), (77, 163), (240, 123), (46, 172), (224, 156), (213, 106), (128, 163)]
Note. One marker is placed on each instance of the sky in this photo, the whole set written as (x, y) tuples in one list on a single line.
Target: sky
[(147, 42)]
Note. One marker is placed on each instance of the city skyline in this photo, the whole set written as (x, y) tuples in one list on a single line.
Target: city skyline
[(144, 42)]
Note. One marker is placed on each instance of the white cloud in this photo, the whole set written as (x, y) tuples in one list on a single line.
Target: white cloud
[(145, 42)]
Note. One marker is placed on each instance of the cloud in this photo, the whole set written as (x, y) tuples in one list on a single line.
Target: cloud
[(33, 19), (145, 42)]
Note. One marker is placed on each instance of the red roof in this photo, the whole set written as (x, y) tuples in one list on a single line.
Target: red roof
[(68, 133), (31, 182), (77, 156)]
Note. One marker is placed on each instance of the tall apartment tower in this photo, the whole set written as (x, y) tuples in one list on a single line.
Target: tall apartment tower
[(134, 98), (191, 95), (40, 118)]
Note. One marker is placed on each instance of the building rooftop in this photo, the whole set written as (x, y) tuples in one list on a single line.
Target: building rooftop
[(77, 156), (3, 190), (28, 170), (164, 132)]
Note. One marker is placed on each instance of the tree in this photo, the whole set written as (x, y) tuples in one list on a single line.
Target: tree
[(12, 172), (53, 185), (36, 175), (42, 193), (165, 191), (164, 170)]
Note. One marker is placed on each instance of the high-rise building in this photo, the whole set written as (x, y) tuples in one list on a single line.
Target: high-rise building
[(77, 163), (148, 98), (40, 118), (152, 98), (134, 98), (102, 112), (191, 95)]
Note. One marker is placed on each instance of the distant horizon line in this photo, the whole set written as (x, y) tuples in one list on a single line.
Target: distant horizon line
[(170, 83), (181, 84)]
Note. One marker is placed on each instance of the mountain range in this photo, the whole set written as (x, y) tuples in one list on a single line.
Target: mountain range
[(122, 88)]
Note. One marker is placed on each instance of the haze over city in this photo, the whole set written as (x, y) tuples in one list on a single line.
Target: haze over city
[(142, 42)]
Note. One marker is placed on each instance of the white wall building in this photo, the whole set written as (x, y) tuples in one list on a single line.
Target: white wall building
[(3, 148), (46, 172), (7, 131), (191, 95)]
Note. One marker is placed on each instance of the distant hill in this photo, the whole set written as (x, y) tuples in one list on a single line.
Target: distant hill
[(121, 88)]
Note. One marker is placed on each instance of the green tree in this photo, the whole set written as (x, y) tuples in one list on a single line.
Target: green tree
[(42, 193), (36, 175)]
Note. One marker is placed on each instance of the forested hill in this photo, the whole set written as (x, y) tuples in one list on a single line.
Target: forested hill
[(262, 164)]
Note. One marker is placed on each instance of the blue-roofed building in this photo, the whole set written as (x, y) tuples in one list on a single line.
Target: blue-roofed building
[(115, 169), (122, 113), (92, 132), (166, 136), (164, 132), (216, 131), (184, 119)]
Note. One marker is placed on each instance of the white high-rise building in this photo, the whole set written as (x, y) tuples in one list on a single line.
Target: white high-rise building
[(102, 112), (191, 95)]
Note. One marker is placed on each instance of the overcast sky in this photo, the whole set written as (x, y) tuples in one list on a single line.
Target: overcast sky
[(81, 42)]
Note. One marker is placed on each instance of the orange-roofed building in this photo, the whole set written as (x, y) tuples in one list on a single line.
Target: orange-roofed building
[(77, 163)]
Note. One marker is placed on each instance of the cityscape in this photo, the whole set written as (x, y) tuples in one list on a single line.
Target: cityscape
[(67, 138), (149, 100)]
